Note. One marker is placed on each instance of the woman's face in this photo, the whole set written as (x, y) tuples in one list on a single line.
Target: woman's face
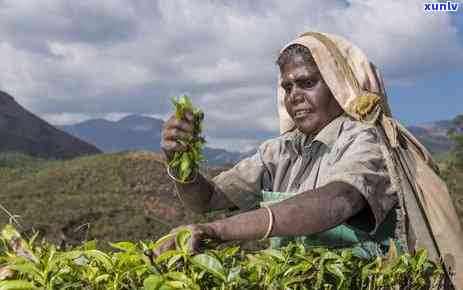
[(308, 99)]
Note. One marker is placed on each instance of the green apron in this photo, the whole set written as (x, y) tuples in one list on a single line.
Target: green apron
[(343, 236)]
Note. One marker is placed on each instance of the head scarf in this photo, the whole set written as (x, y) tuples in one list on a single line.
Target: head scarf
[(354, 81), (359, 89)]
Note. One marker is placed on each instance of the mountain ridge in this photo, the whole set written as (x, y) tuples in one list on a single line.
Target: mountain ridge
[(23, 131), (433, 135), (144, 133), (137, 132)]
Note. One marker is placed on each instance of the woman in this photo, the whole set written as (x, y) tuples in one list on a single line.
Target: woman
[(342, 174)]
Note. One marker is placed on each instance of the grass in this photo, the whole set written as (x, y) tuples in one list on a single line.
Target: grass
[(100, 197)]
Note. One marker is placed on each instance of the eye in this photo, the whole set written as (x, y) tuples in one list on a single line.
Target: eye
[(287, 88), (308, 83)]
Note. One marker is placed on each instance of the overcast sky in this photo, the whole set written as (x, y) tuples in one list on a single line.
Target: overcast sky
[(68, 61)]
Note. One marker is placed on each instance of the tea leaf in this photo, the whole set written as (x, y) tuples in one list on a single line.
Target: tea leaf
[(27, 268), (16, 285), (160, 242), (166, 256), (274, 253), (210, 264), (173, 260), (124, 246), (101, 257), (335, 269), (182, 240), (234, 273), (184, 163), (153, 282)]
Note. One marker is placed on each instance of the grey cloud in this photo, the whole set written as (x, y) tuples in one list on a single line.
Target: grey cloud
[(91, 58), (30, 25)]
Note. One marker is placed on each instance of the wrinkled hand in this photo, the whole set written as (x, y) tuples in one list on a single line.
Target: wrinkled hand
[(199, 232), (175, 130)]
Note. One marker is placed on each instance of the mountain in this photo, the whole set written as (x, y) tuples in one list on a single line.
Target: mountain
[(22, 131), (136, 132), (433, 135), (130, 133), (141, 132)]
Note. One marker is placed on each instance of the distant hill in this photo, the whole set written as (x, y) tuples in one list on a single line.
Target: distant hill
[(130, 133), (141, 132), (22, 131), (119, 196), (136, 132), (433, 135)]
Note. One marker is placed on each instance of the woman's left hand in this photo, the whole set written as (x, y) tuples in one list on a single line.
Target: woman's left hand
[(199, 232)]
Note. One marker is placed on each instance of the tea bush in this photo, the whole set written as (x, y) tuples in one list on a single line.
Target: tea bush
[(33, 264)]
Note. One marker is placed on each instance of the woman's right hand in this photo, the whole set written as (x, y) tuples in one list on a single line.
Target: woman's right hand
[(173, 131)]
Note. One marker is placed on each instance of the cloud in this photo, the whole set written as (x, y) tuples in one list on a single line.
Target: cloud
[(70, 60), (61, 119), (403, 39)]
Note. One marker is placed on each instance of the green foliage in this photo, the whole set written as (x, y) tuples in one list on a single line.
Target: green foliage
[(27, 264), (451, 165), (186, 161), (456, 135)]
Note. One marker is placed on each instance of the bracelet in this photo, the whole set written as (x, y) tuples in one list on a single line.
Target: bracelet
[(180, 181), (270, 223)]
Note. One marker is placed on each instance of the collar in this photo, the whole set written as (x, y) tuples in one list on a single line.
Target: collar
[(327, 136)]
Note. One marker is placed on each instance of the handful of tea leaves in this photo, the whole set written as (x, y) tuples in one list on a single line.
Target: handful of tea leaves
[(186, 161)]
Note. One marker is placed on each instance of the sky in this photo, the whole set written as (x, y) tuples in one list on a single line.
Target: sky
[(69, 61)]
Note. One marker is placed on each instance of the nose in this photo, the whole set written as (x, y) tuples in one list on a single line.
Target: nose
[(296, 95)]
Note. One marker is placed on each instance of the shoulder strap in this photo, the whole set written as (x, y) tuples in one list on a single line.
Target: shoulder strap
[(429, 194)]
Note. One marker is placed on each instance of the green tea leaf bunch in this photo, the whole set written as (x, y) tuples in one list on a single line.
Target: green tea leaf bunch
[(186, 161), (29, 264)]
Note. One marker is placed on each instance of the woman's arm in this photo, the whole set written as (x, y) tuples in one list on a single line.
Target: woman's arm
[(306, 213), (201, 197)]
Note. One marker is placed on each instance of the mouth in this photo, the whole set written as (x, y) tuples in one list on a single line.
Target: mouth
[(301, 113)]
